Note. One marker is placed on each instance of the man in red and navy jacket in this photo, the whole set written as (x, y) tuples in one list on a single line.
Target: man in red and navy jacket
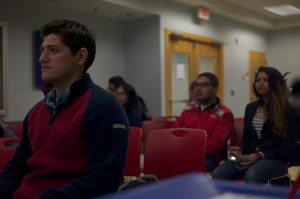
[(209, 114), (74, 142)]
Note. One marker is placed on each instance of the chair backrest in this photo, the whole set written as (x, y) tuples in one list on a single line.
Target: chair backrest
[(174, 151), (150, 125), (294, 188), (132, 164), (7, 150), (238, 131)]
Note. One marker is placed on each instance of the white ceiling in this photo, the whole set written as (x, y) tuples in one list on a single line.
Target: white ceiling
[(94, 7), (246, 11), (250, 11)]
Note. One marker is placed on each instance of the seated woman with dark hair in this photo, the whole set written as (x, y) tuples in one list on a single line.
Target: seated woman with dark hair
[(127, 97), (270, 133), (114, 82)]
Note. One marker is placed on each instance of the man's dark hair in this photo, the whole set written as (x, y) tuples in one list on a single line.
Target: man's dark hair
[(74, 35), (212, 77)]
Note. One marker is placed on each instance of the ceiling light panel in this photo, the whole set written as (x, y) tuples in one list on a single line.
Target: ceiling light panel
[(283, 10)]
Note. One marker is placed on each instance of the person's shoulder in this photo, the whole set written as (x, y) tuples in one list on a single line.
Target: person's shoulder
[(102, 98), (252, 104), (191, 106), (101, 93), (225, 108), (102, 104)]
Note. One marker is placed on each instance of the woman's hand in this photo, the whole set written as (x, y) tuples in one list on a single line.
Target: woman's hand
[(245, 161), (235, 151)]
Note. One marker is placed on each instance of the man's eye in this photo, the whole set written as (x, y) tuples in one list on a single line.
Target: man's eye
[(203, 84), (53, 50)]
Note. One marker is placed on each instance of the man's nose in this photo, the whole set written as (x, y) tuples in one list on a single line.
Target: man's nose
[(198, 88)]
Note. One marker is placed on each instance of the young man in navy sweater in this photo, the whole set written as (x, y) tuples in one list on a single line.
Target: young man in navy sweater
[(74, 141)]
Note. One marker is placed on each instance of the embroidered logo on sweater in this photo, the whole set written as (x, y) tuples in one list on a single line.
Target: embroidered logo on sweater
[(119, 126)]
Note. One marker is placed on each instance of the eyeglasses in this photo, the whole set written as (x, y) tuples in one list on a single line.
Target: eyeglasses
[(203, 84)]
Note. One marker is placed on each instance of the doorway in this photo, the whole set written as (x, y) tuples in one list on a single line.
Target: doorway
[(187, 56)]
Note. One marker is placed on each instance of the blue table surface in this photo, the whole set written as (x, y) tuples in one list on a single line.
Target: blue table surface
[(198, 186)]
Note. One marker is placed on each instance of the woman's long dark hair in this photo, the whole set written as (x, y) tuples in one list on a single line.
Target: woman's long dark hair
[(132, 102), (279, 96)]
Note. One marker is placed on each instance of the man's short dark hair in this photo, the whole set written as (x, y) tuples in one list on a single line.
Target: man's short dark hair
[(212, 77), (74, 35)]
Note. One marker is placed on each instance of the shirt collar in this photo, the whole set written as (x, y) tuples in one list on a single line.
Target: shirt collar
[(213, 105)]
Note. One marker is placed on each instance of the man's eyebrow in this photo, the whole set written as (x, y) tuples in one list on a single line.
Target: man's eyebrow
[(50, 46)]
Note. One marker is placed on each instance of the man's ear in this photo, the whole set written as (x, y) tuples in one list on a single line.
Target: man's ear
[(82, 56), (216, 89)]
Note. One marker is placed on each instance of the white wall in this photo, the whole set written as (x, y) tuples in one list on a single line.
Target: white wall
[(22, 21), (142, 60), (284, 52)]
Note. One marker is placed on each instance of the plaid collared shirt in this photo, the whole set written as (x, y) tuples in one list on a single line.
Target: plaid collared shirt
[(55, 103)]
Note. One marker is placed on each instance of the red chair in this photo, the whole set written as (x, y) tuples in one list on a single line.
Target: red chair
[(174, 151), (7, 150), (150, 125), (294, 188), (16, 126), (238, 131), (19, 128), (132, 164)]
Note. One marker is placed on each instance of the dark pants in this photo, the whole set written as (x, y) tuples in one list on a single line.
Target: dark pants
[(259, 172), (210, 164)]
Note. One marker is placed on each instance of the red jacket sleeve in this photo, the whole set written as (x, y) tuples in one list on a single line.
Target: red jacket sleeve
[(220, 134)]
